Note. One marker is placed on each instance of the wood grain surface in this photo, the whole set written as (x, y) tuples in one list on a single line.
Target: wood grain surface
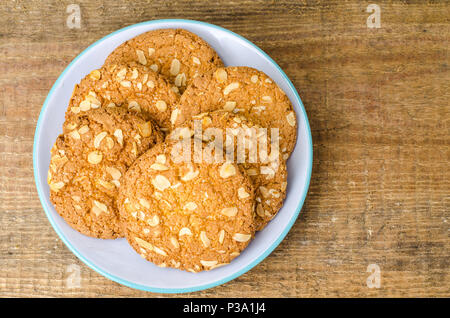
[(378, 105)]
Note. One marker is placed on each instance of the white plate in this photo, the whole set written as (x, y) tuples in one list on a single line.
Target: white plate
[(115, 259)]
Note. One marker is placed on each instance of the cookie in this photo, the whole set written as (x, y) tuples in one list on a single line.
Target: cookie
[(251, 147), (245, 91), (187, 215), (134, 86), (87, 165), (177, 54)]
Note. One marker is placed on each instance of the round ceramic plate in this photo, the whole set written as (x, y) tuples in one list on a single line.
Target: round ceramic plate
[(115, 259)]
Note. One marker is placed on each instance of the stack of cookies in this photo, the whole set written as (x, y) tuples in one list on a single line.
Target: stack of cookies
[(140, 157)]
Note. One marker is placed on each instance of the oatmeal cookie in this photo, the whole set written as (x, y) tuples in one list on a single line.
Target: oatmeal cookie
[(187, 215), (87, 165), (177, 54), (245, 91), (133, 85), (254, 150)]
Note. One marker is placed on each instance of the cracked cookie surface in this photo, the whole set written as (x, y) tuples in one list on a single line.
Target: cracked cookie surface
[(179, 55), (254, 151), (87, 165), (132, 86), (186, 215), (245, 91)]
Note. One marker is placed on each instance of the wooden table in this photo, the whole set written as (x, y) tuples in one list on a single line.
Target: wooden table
[(378, 105)]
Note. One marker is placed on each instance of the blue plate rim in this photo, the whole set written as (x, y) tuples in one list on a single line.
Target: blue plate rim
[(173, 290)]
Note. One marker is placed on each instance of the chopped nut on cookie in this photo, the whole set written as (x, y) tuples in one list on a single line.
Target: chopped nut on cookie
[(179, 55), (87, 166), (197, 218)]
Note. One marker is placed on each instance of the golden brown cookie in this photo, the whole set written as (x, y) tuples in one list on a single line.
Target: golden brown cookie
[(245, 91), (251, 147), (177, 54), (87, 165), (187, 215), (134, 86)]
